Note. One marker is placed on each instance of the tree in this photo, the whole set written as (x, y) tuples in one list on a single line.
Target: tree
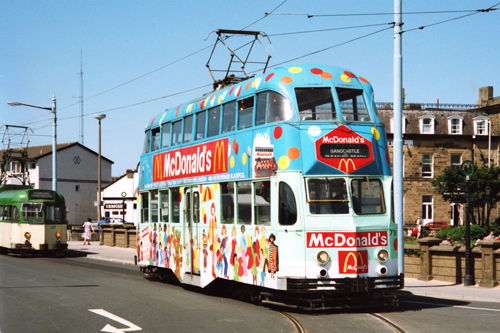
[(450, 185)]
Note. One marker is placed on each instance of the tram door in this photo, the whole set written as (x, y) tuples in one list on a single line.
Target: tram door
[(191, 223)]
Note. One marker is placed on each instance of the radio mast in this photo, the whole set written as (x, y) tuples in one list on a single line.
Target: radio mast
[(81, 97)]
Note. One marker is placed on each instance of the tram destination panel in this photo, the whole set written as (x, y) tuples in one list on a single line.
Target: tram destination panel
[(344, 151)]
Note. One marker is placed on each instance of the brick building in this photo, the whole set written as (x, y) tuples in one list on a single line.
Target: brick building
[(439, 137)]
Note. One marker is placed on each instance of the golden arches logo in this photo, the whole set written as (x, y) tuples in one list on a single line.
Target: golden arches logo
[(346, 163), (220, 152), (157, 167), (356, 257)]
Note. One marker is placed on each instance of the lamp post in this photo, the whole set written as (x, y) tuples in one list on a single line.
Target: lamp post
[(99, 117), (54, 136)]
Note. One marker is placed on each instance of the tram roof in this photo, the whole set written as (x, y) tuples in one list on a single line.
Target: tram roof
[(283, 79)]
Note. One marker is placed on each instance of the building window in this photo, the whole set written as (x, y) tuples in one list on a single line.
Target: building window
[(455, 125), (427, 208), (481, 126), (403, 125), (427, 165), (427, 125), (456, 161), (77, 188)]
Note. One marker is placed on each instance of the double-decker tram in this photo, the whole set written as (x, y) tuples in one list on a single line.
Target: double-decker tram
[(281, 183)]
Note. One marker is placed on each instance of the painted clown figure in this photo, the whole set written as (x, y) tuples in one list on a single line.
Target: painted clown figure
[(213, 238)]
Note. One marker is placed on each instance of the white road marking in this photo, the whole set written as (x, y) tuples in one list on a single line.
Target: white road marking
[(108, 328)]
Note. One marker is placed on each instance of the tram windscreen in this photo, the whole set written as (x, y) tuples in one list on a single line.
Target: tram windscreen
[(352, 104), (327, 196), (32, 212), (52, 213), (367, 196), (315, 104)]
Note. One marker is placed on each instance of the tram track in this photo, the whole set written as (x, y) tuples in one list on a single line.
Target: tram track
[(294, 321), (388, 322)]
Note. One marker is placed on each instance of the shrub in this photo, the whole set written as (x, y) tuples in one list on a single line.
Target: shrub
[(457, 233), (495, 226)]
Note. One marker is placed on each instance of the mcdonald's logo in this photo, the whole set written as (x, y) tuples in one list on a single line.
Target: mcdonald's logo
[(346, 162), (220, 154), (353, 262), (157, 167)]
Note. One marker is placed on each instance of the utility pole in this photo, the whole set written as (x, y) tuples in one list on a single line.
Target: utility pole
[(81, 96)]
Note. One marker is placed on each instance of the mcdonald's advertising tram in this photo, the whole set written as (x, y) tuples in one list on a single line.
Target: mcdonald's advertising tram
[(281, 183)]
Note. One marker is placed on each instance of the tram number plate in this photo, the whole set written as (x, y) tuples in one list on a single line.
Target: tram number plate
[(344, 151)]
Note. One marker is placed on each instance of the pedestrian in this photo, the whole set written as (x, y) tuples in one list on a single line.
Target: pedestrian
[(419, 227), (100, 231), (87, 234)]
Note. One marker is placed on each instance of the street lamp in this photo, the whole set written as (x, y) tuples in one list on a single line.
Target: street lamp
[(99, 117), (54, 136)]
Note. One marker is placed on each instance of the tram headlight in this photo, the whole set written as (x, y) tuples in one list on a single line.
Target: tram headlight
[(382, 255), (27, 235), (58, 234), (322, 257)]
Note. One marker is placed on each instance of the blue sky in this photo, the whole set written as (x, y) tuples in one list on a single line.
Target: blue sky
[(124, 40)]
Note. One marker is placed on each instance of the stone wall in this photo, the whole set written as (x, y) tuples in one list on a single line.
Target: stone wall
[(120, 235), (429, 261)]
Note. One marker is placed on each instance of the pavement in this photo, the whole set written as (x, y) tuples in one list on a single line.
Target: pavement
[(434, 288)]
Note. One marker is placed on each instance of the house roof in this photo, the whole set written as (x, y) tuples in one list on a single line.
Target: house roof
[(37, 152)]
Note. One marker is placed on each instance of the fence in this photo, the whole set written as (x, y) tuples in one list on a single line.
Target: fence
[(429, 261), (120, 235)]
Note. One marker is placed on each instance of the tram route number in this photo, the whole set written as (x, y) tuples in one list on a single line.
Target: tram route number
[(344, 151)]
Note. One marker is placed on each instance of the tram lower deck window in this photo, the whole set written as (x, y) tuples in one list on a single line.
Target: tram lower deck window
[(367, 196), (327, 196)]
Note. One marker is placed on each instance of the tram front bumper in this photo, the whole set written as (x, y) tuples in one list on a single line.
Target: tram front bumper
[(357, 285)]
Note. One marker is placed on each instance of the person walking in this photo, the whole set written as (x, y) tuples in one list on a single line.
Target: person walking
[(87, 234)]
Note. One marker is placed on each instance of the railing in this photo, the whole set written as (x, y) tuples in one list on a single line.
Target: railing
[(422, 106)]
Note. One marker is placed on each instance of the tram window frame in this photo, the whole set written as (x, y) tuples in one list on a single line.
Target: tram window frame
[(245, 112), (229, 117), (213, 124), (165, 135), (5, 213), (145, 207), (228, 202), (196, 207), (175, 193), (177, 132), (331, 199), (153, 206), (262, 189), (272, 107), (287, 210), (52, 213), (147, 142), (161, 203), (15, 214), (201, 122), (32, 212), (155, 139), (244, 215), (364, 205), (311, 103), (353, 98), (188, 129)]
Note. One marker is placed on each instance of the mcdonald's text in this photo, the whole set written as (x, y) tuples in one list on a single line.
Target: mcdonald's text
[(209, 158), (347, 239)]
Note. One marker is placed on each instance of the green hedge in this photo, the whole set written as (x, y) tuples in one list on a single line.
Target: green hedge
[(457, 233)]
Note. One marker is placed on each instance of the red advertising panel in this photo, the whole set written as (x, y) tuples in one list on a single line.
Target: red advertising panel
[(344, 149), (347, 239), (209, 158), (353, 262)]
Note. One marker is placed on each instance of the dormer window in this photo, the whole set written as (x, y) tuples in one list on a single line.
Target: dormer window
[(481, 125), (455, 125), (427, 125), (403, 125)]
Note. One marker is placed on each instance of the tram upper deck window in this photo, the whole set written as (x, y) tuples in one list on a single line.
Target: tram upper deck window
[(201, 120), (245, 113), (228, 117), (32, 212), (352, 104), (155, 136), (147, 142), (315, 104), (165, 136), (367, 196), (327, 196), (188, 129), (272, 107), (177, 133), (52, 213), (213, 121)]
